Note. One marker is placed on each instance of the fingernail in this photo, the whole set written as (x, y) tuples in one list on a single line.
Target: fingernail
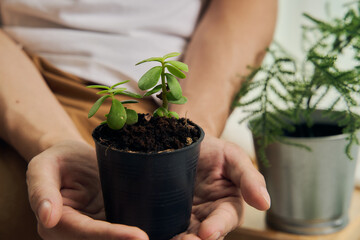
[(265, 195), (214, 236), (44, 211)]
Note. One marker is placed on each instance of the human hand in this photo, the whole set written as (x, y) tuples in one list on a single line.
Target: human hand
[(65, 194), (225, 177)]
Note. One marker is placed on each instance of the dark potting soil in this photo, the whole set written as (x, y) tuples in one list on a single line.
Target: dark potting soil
[(317, 130), (150, 134)]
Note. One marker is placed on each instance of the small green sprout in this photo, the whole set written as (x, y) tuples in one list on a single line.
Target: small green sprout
[(170, 87), (118, 114)]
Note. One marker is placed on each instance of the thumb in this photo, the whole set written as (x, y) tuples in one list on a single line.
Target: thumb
[(43, 180)]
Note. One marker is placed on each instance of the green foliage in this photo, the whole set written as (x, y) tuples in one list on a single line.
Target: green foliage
[(150, 78), (170, 87), (118, 114), (284, 94), (174, 86)]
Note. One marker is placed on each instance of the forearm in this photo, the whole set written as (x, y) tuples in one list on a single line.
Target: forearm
[(232, 35), (32, 119)]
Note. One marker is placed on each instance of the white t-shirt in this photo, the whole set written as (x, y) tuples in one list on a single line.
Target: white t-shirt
[(101, 40)]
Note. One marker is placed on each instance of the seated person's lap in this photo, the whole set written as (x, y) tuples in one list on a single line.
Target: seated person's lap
[(17, 221)]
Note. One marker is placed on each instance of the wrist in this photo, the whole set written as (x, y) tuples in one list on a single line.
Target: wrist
[(30, 147), (31, 135), (48, 140), (207, 123)]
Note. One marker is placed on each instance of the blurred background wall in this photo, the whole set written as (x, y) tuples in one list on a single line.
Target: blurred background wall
[(290, 19)]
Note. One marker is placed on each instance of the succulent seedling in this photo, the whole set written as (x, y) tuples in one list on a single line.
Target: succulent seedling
[(170, 87), (118, 114)]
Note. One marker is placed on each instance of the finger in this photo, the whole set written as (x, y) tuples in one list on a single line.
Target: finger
[(242, 172), (190, 236), (74, 225), (43, 182), (191, 232), (186, 236), (225, 218)]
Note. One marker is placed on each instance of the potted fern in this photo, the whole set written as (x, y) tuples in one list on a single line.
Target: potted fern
[(304, 120), (147, 164)]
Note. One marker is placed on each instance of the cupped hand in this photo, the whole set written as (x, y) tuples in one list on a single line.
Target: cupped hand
[(65, 194), (225, 177)]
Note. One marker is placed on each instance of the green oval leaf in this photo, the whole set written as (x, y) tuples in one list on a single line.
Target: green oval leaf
[(182, 100), (98, 86), (150, 78), (175, 71), (129, 101), (170, 55), (131, 116), (116, 90), (152, 59), (180, 65), (115, 85), (173, 114), (160, 112), (170, 97), (130, 94), (154, 90), (97, 105), (174, 86), (103, 91), (117, 115)]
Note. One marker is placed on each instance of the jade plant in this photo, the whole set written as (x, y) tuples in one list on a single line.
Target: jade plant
[(118, 114), (285, 93), (170, 88)]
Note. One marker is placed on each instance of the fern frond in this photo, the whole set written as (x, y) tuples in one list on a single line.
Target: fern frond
[(285, 95)]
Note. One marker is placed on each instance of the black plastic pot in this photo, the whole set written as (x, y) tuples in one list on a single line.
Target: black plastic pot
[(152, 191)]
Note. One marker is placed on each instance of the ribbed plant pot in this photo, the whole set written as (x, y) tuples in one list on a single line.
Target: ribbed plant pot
[(310, 190), (152, 191)]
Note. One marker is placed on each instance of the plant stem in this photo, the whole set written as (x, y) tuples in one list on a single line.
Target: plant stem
[(165, 103)]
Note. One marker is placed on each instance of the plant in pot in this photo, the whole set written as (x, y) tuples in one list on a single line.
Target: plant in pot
[(304, 120), (147, 164)]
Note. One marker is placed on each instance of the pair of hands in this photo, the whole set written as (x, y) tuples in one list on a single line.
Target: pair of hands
[(65, 193)]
